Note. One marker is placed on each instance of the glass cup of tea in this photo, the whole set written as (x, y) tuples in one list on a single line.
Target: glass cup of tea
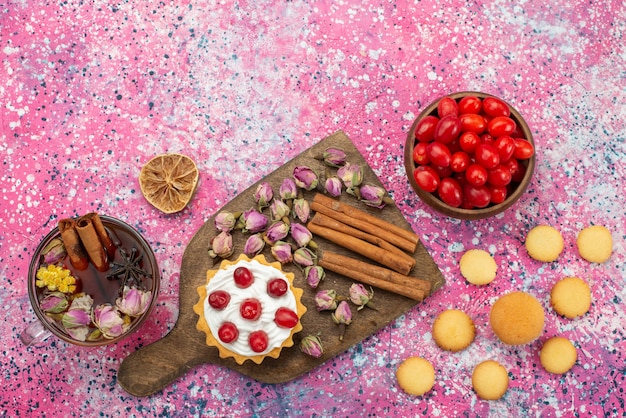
[(88, 305)]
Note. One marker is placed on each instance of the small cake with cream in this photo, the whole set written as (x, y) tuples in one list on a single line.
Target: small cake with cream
[(249, 309)]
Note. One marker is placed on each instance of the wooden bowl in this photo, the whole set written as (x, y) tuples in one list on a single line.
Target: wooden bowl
[(432, 200)]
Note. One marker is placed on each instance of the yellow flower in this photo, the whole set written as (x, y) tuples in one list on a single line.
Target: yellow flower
[(56, 278)]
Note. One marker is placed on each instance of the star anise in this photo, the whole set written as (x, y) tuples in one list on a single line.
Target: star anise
[(129, 270)]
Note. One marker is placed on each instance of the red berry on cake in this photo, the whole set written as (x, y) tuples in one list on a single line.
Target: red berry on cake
[(228, 332), (277, 287), (219, 299), (285, 318), (258, 341), (243, 277), (250, 309)]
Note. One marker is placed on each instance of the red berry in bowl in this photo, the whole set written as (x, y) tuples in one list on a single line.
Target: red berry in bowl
[(219, 299), (277, 287), (243, 277)]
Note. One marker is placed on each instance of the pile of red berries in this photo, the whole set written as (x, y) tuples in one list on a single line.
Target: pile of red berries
[(470, 152)]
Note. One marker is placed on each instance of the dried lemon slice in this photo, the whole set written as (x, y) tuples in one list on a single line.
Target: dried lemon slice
[(169, 181)]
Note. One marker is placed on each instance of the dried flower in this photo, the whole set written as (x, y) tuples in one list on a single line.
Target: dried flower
[(351, 175), (288, 189), (304, 257), (301, 234), (226, 221), (54, 251), (326, 300), (253, 221), (301, 210), (77, 319), (360, 296), (342, 317), (109, 321), (312, 345), (276, 232), (263, 195), (54, 303), (221, 245), (374, 196), (56, 278), (279, 210), (305, 177), (133, 302), (333, 186), (254, 245), (281, 251), (314, 275), (334, 157)]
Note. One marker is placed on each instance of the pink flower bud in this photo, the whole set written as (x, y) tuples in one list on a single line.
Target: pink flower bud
[(281, 251), (55, 302), (221, 245), (276, 232), (254, 221), (301, 210), (54, 251), (77, 319), (326, 300), (351, 175), (360, 296), (342, 317), (133, 302), (304, 257), (254, 245), (312, 345), (288, 189), (334, 157), (314, 275), (263, 195), (305, 177), (225, 221), (373, 196), (301, 234), (333, 186), (109, 321), (279, 210)]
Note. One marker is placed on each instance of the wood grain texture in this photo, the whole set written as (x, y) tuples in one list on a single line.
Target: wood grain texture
[(155, 366)]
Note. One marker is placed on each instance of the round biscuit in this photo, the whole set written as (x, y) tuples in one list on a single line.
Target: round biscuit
[(571, 297), (517, 318), (544, 243), (478, 267), (595, 244), (490, 380), (416, 376), (453, 330), (558, 355)]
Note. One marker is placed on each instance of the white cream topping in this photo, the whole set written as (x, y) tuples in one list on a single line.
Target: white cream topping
[(223, 280)]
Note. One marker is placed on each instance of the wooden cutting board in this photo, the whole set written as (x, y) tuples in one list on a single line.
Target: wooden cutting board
[(153, 367)]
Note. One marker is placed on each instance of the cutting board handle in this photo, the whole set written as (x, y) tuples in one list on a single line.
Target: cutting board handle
[(155, 366)]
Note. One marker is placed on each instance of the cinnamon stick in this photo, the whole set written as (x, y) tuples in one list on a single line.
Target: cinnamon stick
[(328, 222), (400, 237), (377, 272), (93, 246), (384, 257), (365, 278), (71, 242), (103, 236)]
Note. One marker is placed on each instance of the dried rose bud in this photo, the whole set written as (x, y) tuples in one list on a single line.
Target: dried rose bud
[(305, 177), (342, 317), (281, 251), (326, 300), (333, 186), (77, 319), (221, 245), (301, 234), (304, 257), (276, 232), (288, 189), (312, 345), (374, 196), (133, 302), (314, 275), (109, 321), (360, 296), (253, 221), (226, 221), (334, 157), (279, 210), (263, 195), (55, 302), (54, 251), (301, 210), (254, 245), (351, 175)]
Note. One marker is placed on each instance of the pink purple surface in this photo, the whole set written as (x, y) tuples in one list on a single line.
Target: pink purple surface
[(91, 90)]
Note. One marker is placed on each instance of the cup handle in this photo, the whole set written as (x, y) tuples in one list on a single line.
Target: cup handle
[(34, 333)]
